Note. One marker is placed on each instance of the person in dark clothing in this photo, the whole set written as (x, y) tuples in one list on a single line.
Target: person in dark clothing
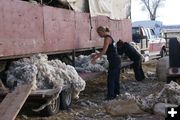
[(134, 55), (109, 48)]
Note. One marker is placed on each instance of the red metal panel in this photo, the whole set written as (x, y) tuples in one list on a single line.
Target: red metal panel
[(151, 47), (126, 30), (59, 28), (83, 30), (155, 47), (121, 29), (96, 22), (22, 31), (115, 29), (103, 21), (1, 27)]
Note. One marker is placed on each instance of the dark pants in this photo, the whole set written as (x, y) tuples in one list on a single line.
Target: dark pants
[(138, 71), (113, 82)]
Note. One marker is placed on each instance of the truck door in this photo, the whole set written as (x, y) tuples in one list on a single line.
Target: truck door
[(140, 38), (155, 43)]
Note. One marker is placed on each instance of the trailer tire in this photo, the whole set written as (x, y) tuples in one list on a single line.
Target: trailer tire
[(163, 53), (52, 108), (65, 99)]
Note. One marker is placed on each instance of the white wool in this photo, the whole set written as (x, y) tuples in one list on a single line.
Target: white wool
[(135, 46), (79, 86), (20, 74), (170, 94), (71, 77), (138, 49), (44, 74), (83, 64)]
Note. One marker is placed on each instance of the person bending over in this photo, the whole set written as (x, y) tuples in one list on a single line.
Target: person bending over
[(134, 55)]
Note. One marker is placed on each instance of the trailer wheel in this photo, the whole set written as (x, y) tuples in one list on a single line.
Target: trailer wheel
[(163, 52), (52, 108), (65, 99)]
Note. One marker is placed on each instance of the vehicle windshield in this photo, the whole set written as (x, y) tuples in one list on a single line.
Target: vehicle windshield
[(153, 35), (135, 30)]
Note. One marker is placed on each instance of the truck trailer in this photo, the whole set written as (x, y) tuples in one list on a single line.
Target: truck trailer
[(27, 29)]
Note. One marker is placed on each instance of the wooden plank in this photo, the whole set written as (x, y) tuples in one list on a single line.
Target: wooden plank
[(46, 92), (13, 102)]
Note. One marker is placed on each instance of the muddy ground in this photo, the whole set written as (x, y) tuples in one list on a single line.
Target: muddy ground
[(90, 105)]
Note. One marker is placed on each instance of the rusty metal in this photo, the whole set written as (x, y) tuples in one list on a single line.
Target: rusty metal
[(83, 29), (121, 29), (126, 30), (26, 28), (97, 41), (22, 31), (1, 26), (59, 29)]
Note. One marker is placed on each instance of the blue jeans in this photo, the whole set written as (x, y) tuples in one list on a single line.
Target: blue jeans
[(138, 71), (113, 82)]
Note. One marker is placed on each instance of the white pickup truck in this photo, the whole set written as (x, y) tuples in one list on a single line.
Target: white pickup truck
[(151, 45)]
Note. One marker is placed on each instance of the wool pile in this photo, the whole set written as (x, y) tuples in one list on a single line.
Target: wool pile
[(83, 64), (169, 94), (44, 74)]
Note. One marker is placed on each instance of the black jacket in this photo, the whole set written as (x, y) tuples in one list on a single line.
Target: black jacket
[(130, 51)]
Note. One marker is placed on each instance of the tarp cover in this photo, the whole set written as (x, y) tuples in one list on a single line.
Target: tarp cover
[(79, 5), (115, 9)]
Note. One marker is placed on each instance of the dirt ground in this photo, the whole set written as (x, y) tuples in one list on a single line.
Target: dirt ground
[(90, 105)]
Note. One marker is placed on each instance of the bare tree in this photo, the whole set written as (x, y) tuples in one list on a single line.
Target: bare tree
[(151, 6)]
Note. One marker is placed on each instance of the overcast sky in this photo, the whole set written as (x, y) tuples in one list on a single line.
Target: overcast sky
[(169, 14)]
